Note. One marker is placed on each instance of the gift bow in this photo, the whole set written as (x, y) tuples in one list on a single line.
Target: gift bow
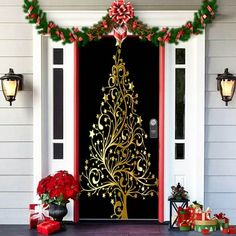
[(121, 12), (40, 212), (220, 216)]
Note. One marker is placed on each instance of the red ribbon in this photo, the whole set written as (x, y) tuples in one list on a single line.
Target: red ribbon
[(202, 18), (30, 9), (38, 21), (51, 25), (180, 33), (60, 34), (121, 12), (189, 26), (120, 33), (210, 10)]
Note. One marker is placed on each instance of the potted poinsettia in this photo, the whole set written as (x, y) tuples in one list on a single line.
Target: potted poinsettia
[(56, 190)]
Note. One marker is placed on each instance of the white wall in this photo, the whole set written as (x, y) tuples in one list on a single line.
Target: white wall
[(16, 123), (16, 126)]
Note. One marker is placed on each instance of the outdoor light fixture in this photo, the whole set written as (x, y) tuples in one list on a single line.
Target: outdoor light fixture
[(226, 85), (11, 83)]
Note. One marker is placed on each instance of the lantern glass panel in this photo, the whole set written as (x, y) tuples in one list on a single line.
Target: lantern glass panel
[(227, 87), (10, 87)]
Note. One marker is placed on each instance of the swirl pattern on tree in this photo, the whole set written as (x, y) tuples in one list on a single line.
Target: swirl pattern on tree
[(119, 162)]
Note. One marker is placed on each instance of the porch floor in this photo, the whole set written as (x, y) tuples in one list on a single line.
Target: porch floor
[(101, 229)]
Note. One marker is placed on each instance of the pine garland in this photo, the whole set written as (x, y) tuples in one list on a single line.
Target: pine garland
[(35, 15)]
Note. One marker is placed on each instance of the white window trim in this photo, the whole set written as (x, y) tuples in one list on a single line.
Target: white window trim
[(88, 18)]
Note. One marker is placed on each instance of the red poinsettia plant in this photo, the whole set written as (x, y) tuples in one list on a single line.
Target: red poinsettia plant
[(58, 189)]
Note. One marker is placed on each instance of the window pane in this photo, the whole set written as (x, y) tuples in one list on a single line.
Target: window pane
[(179, 103), (58, 56), (58, 103), (58, 151), (179, 151), (180, 56)]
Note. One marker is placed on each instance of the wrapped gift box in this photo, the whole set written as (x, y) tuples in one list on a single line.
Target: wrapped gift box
[(211, 225), (191, 220), (223, 221), (48, 227), (37, 214), (183, 215), (184, 226), (202, 215)]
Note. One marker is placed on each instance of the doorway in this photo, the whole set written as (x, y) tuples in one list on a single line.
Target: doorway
[(95, 63)]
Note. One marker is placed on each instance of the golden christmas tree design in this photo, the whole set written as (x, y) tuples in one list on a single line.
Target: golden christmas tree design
[(119, 163)]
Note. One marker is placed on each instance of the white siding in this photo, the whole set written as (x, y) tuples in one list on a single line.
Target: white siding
[(220, 156), (16, 122)]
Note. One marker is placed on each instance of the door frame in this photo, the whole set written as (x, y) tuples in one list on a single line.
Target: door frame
[(69, 18)]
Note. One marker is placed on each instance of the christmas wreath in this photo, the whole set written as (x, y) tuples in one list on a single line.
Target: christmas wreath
[(120, 19)]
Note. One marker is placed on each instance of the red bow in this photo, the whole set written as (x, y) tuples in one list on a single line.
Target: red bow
[(121, 12)]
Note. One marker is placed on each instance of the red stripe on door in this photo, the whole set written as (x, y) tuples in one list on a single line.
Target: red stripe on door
[(161, 133), (76, 126)]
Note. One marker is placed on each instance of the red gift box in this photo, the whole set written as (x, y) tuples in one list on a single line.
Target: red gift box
[(183, 215), (37, 214), (48, 227), (230, 230), (202, 215)]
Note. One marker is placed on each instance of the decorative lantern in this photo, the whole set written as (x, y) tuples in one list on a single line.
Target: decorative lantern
[(226, 85), (11, 83)]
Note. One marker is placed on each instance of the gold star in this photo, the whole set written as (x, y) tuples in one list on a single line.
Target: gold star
[(103, 195), (86, 162), (105, 97), (131, 86), (91, 134), (139, 120)]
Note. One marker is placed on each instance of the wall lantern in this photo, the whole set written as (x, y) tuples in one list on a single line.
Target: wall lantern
[(11, 83), (226, 85)]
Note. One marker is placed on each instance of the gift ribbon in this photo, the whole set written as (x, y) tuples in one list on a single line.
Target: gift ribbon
[(39, 212)]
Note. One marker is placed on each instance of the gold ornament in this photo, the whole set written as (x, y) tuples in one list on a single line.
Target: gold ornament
[(118, 166)]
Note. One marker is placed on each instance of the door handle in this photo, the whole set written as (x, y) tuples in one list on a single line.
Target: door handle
[(153, 129)]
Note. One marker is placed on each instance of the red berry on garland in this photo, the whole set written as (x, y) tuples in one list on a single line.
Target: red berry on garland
[(164, 30), (149, 37), (81, 39), (75, 29), (135, 24), (104, 23), (90, 37), (32, 16)]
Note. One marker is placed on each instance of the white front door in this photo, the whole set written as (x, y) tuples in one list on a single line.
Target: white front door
[(184, 118)]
